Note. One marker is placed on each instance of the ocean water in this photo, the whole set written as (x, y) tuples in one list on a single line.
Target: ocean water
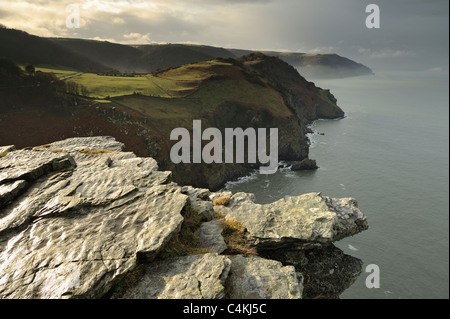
[(391, 153)]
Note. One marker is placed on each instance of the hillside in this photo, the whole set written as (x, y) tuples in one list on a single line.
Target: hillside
[(141, 58), (316, 66), (116, 56), (25, 48), (324, 65), (163, 56), (99, 56), (253, 91)]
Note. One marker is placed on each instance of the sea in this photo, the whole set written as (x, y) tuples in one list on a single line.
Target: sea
[(390, 153)]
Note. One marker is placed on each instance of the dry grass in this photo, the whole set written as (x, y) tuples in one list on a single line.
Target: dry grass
[(224, 200), (100, 151), (40, 148), (218, 215), (234, 234), (3, 154)]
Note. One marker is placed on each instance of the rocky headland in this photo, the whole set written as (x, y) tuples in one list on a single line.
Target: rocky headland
[(81, 218), (253, 91)]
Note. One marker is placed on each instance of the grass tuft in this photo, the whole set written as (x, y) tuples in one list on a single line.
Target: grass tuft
[(234, 234), (224, 200), (100, 151), (40, 148)]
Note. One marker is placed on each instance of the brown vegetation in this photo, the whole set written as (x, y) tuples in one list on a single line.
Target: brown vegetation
[(224, 200), (234, 234)]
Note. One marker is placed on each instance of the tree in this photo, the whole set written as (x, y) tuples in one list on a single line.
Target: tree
[(30, 69)]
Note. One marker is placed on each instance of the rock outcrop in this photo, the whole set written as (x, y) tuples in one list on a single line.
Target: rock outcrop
[(259, 278), (187, 277), (78, 216), (327, 271), (304, 165), (305, 221)]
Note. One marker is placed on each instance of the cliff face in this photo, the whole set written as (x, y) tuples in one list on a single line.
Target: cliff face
[(80, 218), (308, 101), (304, 101)]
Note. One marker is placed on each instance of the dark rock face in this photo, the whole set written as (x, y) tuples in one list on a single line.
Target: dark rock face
[(327, 271), (303, 97), (306, 164), (78, 216)]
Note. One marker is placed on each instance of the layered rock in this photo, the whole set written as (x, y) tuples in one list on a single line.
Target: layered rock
[(188, 277), (259, 278), (80, 215), (77, 228), (305, 221)]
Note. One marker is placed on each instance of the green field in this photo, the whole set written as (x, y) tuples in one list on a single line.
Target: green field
[(100, 86), (173, 83)]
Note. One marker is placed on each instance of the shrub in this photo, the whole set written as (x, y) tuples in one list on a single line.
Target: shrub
[(224, 200)]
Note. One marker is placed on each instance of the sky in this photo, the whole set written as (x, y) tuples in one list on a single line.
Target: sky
[(412, 33)]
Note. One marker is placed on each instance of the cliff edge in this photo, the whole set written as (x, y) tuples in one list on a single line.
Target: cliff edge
[(80, 218)]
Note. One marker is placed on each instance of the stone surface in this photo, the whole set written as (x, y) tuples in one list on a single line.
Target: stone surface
[(91, 143), (259, 278), (305, 221), (210, 236), (74, 231), (9, 191), (29, 165), (327, 271), (6, 149), (188, 277), (199, 201)]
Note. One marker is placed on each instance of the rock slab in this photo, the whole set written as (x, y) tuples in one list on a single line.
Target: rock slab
[(305, 221), (83, 221)]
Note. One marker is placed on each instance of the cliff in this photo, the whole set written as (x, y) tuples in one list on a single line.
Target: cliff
[(254, 91), (80, 218)]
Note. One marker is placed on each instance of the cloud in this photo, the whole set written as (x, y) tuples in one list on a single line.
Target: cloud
[(117, 20), (136, 38)]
